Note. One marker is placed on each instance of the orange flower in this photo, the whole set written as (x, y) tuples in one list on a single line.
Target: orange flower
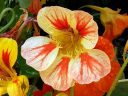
[(113, 22), (68, 56), (101, 87), (34, 7)]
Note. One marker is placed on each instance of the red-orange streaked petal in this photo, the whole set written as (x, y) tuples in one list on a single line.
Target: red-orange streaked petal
[(39, 52), (87, 29), (90, 67), (55, 17), (60, 21), (106, 46), (8, 52), (85, 23), (57, 75)]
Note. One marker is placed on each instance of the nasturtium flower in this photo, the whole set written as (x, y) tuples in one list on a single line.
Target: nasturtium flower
[(113, 22), (67, 55), (9, 81)]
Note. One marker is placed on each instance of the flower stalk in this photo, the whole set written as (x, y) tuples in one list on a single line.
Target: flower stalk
[(4, 28), (117, 78), (72, 91)]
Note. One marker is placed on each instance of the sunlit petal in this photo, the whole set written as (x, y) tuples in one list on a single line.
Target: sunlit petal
[(39, 52), (53, 19), (3, 87), (24, 83), (8, 52), (14, 88), (18, 86), (87, 29), (90, 67), (57, 75), (3, 90)]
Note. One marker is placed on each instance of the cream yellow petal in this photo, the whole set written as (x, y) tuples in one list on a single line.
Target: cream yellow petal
[(39, 52), (90, 67), (87, 29), (54, 19), (57, 75)]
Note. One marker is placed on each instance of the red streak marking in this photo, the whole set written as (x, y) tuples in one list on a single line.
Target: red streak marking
[(15, 81), (58, 23), (64, 65), (6, 58), (90, 61), (81, 25), (46, 49)]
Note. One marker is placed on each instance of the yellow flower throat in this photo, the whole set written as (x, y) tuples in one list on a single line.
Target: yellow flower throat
[(69, 42)]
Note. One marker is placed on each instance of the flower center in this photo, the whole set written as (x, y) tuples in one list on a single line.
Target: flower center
[(69, 42)]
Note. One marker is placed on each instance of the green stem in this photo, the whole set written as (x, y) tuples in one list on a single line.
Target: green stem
[(72, 91), (117, 78), (4, 28)]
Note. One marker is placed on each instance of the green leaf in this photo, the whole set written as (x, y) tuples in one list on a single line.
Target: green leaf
[(121, 89), (24, 3), (25, 69), (48, 94), (2, 5), (31, 90)]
